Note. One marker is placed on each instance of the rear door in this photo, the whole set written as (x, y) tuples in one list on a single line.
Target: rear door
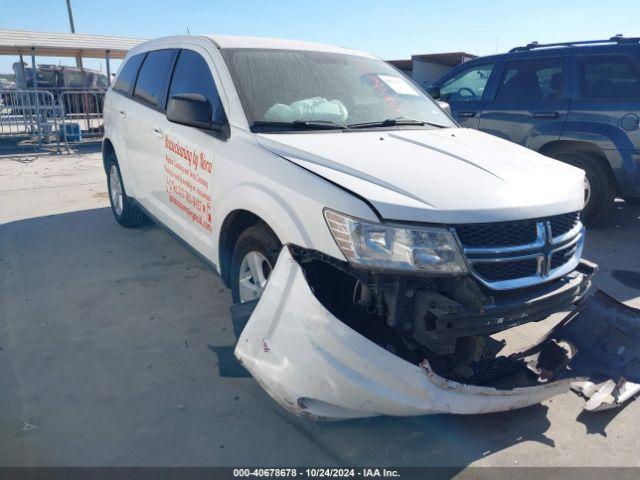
[(115, 115), (464, 92), (145, 117), (531, 102), (607, 99), (185, 167)]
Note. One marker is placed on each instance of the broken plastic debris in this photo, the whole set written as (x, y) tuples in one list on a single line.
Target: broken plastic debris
[(605, 395), (26, 426)]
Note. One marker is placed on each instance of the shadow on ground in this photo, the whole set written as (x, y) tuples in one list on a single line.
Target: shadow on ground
[(103, 348), (613, 246)]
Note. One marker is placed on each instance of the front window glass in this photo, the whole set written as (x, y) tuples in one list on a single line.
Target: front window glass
[(286, 86), (192, 75), (467, 85)]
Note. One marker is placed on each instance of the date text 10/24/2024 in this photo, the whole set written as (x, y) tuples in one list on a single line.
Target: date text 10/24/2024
[(316, 473)]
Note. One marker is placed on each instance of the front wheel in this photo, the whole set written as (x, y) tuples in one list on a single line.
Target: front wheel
[(254, 256)]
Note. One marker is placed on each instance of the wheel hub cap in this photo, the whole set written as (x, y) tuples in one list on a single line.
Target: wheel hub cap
[(115, 190), (254, 272), (587, 191)]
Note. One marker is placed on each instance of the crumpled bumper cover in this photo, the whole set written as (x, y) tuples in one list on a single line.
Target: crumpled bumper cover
[(314, 365)]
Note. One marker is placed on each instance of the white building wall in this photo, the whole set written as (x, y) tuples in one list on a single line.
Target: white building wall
[(425, 73)]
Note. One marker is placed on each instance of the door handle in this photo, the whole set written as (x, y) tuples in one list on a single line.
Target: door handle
[(123, 113), (546, 115), (156, 132), (467, 114)]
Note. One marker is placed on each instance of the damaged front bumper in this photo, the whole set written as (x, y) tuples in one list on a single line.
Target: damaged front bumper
[(315, 365)]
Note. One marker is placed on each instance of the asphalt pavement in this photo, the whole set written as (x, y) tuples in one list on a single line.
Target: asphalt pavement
[(105, 355)]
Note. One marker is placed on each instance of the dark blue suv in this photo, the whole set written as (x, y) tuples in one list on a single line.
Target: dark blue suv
[(578, 102)]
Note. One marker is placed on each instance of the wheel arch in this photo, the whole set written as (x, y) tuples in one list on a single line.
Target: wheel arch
[(107, 149), (236, 222), (559, 147)]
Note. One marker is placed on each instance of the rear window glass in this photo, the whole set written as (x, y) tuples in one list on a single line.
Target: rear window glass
[(152, 76), (532, 80), (128, 74), (609, 77)]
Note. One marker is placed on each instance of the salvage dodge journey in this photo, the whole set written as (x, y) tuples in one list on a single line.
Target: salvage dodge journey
[(373, 247)]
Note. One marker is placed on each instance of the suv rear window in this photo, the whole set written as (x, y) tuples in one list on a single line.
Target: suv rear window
[(153, 76), (128, 74), (532, 80), (609, 77)]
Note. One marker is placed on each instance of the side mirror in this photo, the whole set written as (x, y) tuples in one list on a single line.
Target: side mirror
[(444, 106), (434, 92), (193, 110)]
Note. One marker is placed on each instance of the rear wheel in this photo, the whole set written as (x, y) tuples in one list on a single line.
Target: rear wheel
[(600, 186), (125, 212), (253, 259)]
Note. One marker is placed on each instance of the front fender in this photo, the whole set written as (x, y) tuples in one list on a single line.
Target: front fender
[(276, 211)]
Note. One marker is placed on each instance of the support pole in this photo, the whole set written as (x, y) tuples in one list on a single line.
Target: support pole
[(24, 74), (34, 68), (72, 26), (106, 57)]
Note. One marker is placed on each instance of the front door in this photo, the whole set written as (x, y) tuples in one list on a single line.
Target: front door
[(186, 164), (531, 103)]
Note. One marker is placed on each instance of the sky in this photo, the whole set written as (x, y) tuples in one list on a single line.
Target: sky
[(392, 29)]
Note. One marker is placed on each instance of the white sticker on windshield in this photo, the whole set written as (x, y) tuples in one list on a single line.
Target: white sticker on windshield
[(398, 85)]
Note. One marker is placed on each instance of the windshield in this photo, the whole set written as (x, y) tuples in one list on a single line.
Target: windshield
[(292, 87)]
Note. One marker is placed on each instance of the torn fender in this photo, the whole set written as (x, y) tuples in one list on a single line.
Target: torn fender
[(314, 365)]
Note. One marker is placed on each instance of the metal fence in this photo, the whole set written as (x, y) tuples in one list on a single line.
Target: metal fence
[(29, 114), (44, 116), (85, 108)]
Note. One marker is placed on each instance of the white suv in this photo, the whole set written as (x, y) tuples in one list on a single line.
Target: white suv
[(394, 242)]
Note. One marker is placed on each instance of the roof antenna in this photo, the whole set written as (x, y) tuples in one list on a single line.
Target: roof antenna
[(188, 32)]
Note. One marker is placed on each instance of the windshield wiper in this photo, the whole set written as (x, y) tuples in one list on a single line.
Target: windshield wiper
[(394, 122), (301, 124)]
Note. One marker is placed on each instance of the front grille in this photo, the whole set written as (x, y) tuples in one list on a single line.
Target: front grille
[(561, 257), (500, 271), (519, 253), (562, 224), (492, 235)]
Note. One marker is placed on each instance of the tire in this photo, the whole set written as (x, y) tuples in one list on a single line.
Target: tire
[(256, 244), (124, 211), (601, 183)]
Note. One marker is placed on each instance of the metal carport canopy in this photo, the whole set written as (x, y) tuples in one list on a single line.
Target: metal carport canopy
[(22, 42)]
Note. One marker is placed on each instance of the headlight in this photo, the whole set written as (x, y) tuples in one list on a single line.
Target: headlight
[(395, 247)]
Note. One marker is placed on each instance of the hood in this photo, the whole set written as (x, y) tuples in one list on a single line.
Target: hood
[(453, 175)]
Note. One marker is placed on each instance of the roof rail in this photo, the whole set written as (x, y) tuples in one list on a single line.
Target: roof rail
[(620, 39)]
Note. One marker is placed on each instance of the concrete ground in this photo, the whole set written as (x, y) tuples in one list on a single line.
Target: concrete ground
[(104, 356)]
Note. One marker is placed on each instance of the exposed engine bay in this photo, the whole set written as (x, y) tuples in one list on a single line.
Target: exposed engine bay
[(328, 340), (447, 320)]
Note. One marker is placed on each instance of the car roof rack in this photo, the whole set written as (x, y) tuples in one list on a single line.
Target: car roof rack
[(620, 39)]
